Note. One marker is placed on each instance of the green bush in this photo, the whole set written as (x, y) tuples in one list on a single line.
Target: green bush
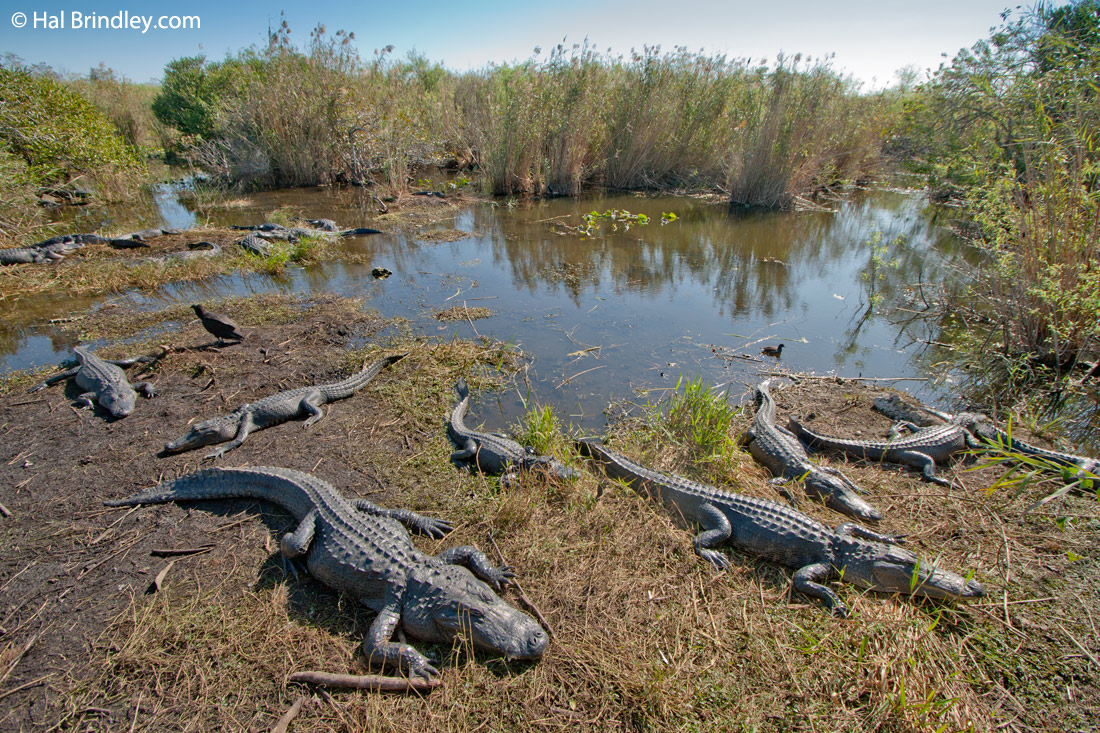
[(62, 137)]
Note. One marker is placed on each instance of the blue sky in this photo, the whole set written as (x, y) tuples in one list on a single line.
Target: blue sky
[(870, 39)]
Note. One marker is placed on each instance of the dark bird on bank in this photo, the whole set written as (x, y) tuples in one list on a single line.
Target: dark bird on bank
[(775, 351), (221, 326)]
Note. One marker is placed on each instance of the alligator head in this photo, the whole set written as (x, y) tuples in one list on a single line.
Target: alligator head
[(215, 430), (892, 569), (840, 494), (442, 603), (118, 402)]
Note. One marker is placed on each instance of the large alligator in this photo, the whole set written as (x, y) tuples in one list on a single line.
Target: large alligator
[(53, 249), (104, 382), (920, 448), (494, 454), (364, 550), (787, 536), (783, 454), (275, 409), (984, 432)]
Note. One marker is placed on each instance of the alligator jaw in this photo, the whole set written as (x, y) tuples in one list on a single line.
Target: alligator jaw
[(451, 602), (838, 495), (204, 433)]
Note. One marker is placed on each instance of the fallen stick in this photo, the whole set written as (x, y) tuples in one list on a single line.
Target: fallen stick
[(5, 511), (372, 682), (289, 715), (176, 551), (519, 589)]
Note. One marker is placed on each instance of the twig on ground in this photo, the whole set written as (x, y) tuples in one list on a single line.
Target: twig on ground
[(373, 682), (519, 589), (22, 652), (156, 584), (289, 715), (177, 551), (5, 511)]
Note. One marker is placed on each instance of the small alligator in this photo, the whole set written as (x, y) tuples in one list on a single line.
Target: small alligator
[(274, 409), (364, 550), (494, 454), (104, 381), (53, 249), (787, 536), (984, 431), (920, 448), (786, 458)]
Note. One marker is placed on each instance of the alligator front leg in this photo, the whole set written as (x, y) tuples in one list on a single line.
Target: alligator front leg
[(479, 565), (717, 531), (434, 528), (854, 530), (805, 581), (146, 388), (243, 429), (86, 401), (378, 649)]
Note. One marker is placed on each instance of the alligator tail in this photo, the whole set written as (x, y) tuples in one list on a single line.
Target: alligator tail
[(281, 486), (360, 379)]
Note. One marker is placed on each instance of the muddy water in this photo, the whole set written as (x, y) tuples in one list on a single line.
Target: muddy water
[(602, 317)]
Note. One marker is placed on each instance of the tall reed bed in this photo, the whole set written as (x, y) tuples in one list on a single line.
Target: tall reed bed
[(669, 120), (550, 125)]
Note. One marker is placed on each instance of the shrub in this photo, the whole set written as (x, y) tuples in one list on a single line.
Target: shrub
[(62, 137)]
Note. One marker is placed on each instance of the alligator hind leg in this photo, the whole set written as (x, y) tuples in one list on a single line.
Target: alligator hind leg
[(925, 462), (378, 649), (854, 530), (805, 581), (429, 526), (309, 405), (717, 532), (295, 544), (479, 565), (466, 452)]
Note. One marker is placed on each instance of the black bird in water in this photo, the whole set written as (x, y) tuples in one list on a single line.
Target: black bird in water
[(219, 325), (772, 350)]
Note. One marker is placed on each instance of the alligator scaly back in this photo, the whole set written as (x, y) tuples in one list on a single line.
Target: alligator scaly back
[(787, 536), (783, 454), (490, 453), (364, 550)]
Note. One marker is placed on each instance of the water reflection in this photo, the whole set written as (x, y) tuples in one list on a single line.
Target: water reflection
[(654, 299)]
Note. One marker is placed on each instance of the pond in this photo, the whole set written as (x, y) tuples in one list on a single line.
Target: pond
[(624, 310)]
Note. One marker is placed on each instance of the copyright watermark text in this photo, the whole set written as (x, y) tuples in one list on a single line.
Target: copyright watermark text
[(122, 20)]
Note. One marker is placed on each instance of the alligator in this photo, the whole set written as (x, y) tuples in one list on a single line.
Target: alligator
[(984, 431), (104, 381), (787, 536), (194, 250), (920, 448), (365, 551), (359, 231), (53, 249), (786, 458), (492, 453), (256, 245), (275, 409), (218, 325)]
